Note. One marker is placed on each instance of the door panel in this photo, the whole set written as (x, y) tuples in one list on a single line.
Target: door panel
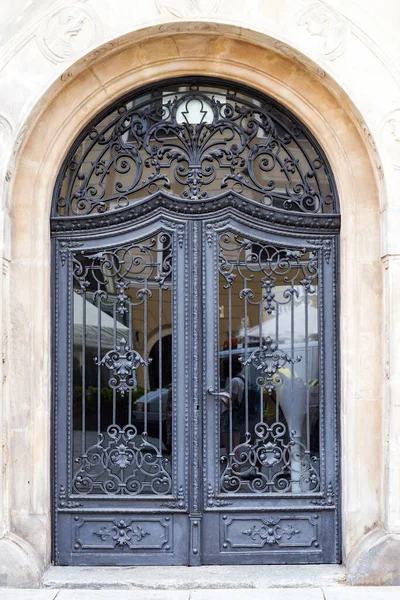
[(121, 389), (269, 402)]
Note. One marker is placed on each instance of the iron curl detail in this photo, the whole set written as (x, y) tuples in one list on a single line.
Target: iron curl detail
[(194, 142)]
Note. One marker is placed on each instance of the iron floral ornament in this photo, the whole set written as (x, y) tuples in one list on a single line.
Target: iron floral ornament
[(268, 360), (123, 361)]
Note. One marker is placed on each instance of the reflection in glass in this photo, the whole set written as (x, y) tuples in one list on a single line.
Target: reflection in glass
[(122, 370), (269, 367)]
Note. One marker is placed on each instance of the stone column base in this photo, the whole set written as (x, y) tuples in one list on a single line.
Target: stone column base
[(19, 563), (376, 560)]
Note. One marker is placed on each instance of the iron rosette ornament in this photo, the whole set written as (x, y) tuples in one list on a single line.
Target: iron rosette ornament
[(194, 141)]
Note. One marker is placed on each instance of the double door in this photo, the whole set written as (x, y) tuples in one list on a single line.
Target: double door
[(195, 409)]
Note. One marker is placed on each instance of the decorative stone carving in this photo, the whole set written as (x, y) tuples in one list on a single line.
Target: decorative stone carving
[(17, 146), (325, 23), (5, 135), (66, 33), (188, 9), (391, 137), (371, 143), (308, 64)]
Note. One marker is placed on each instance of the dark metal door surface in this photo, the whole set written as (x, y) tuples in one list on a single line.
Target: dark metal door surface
[(121, 384), (195, 400), (268, 385)]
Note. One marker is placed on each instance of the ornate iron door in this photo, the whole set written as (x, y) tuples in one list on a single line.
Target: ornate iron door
[(195, 228), (121, 440), (270, 447)]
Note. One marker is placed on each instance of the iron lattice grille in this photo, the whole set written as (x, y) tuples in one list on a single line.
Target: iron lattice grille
[(269, 367), (118, 294), (195, 141)]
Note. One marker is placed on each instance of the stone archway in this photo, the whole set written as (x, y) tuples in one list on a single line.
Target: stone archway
[(64, 115)]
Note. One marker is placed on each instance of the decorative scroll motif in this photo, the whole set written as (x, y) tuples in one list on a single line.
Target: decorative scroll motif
[(122, 533), (266, 463), (271, 532), (123, 361), (122, 463), (127, 265), (325, 23), (193, 143), (271, 457), (268, 360)]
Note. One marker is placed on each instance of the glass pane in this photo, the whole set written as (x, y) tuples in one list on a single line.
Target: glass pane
[(122, 369), (269, 361)]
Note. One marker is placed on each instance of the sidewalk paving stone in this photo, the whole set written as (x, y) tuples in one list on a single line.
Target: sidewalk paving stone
[(362, 593), (13, 594), (124, 595), (267, 594)]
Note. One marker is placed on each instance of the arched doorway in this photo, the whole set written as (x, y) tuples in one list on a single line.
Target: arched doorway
[(207, 209)]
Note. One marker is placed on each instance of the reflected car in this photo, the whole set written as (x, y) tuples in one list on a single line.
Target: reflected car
[(151, 400)]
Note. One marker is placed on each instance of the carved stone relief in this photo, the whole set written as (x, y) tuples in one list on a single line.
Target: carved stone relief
[(371, 143), (5, 135), (391, 136), (17, 146), (327, 25), (308, 64), (66, 33), (184, 9)]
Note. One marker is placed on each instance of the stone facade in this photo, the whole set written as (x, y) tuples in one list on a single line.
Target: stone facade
[(331, 63)]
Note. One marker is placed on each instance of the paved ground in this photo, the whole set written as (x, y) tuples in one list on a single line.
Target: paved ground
[(326, 593)]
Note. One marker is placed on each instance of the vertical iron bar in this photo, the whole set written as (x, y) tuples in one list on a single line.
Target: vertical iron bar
[(246, 382), (145, 355), (277, 305), (260, 340), (292, 355), (115, 344), (307, 377), (98, 362), (160, 368), (130, 346), (84, 372), (230, 365)]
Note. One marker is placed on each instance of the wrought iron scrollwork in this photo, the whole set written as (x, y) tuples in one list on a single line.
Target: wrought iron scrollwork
[(270, 461), (124, 463), (123, 362), (194, 142), (272, 456), (268, 360)]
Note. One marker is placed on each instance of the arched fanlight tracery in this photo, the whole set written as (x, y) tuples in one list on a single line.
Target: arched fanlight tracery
[(195, 146)]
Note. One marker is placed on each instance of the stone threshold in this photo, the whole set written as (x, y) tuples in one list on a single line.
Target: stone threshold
[(191, 578)]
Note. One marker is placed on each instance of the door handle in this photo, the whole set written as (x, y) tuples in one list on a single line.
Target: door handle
[(225, 397)]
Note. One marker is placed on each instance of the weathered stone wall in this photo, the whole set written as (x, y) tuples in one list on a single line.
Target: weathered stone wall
[(332, 63)]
